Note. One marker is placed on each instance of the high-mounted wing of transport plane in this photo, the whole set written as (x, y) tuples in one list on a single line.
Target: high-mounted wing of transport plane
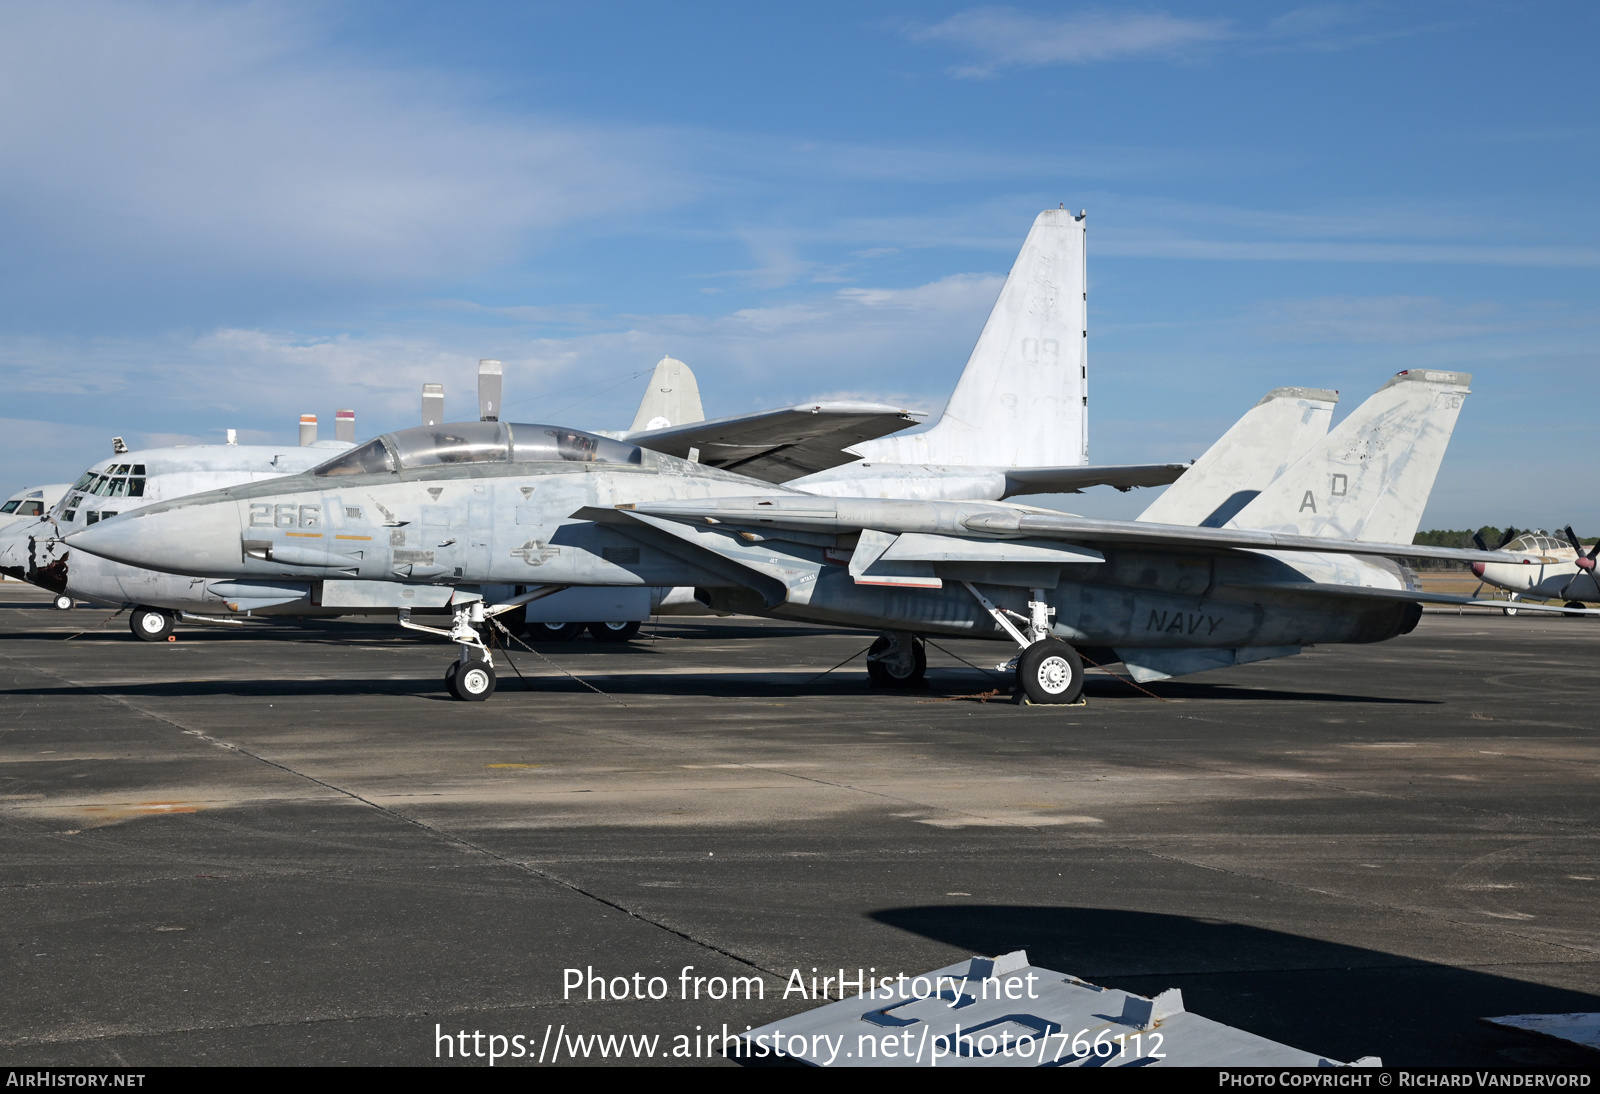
[(769, 445), (779, 445)]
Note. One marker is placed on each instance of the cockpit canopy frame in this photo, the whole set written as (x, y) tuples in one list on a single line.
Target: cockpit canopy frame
[(460, 443)]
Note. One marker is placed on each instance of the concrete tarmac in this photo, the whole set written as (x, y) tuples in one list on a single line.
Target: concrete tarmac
[(284, 844)]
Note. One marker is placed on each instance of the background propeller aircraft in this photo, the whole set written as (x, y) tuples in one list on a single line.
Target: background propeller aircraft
[(31, 549), (1309, 559), (30, 502), (1552, 569)]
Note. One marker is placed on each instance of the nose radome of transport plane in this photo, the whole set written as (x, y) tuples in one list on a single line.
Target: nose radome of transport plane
[(13, 550), (202, 540)]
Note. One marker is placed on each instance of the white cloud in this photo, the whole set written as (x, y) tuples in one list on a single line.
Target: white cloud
[(1387, 233), (223, 138), (1388, 320), (1009, 38)]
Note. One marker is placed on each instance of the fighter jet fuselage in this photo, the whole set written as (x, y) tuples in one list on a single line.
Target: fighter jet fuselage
[(479, 517)]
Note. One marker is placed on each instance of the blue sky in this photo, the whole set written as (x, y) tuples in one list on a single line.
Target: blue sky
[(222, 215)]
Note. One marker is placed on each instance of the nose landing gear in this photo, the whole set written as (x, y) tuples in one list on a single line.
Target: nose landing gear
[(471, 676)]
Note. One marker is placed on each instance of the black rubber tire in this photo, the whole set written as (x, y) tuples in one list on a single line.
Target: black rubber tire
[(1571, 604), (474, 681), (879, 676), (65, 603), (614, 632), (151, 624), (1050, 672), (450, 678), (554, 632)]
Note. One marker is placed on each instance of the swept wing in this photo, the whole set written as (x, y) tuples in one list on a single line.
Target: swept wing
[(987, 520)]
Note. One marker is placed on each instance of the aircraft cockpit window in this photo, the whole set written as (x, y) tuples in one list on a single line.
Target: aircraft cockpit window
[(138, 469), (83, 483), (30, 509), (10, 506), (452, 443), (549, 444), (371, 458)]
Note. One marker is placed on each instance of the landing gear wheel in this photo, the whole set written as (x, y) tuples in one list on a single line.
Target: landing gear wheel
[(1050, 672), (1573, 604), (450, 678), (899, 673), (65, 603), (474, 681), (1509, 611), (150, 624), (554, 632), (614, 632)]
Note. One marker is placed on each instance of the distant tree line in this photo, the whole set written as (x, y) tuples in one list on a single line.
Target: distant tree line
[(1447, 538)]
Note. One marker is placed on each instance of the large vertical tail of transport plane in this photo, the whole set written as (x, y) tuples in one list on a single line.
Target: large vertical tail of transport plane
[(672, 398), (1023, 399), (1370, 478), (1271, 437)]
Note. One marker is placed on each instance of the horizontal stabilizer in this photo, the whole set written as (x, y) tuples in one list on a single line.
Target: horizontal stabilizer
[(1415, 596), (779, 445), (1145, 665)]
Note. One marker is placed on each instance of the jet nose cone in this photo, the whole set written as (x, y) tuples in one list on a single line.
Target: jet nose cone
[(1477, 569), (197, 540)]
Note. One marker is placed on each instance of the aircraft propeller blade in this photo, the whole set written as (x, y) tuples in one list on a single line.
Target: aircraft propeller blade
[(1585, 561)]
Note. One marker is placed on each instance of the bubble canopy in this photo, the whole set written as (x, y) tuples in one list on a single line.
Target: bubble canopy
[(476, 442)]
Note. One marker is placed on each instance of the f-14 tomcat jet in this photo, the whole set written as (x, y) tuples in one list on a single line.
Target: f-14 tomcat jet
[(1310, 559)]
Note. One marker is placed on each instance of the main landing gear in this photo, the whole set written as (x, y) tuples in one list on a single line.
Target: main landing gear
[(151, 624), (897, 660), (566, 632), (1047, 670)]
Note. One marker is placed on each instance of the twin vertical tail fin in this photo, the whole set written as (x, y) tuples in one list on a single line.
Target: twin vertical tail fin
[(1370, 478), (1271, 437), (672, 398), (1022, 400)]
